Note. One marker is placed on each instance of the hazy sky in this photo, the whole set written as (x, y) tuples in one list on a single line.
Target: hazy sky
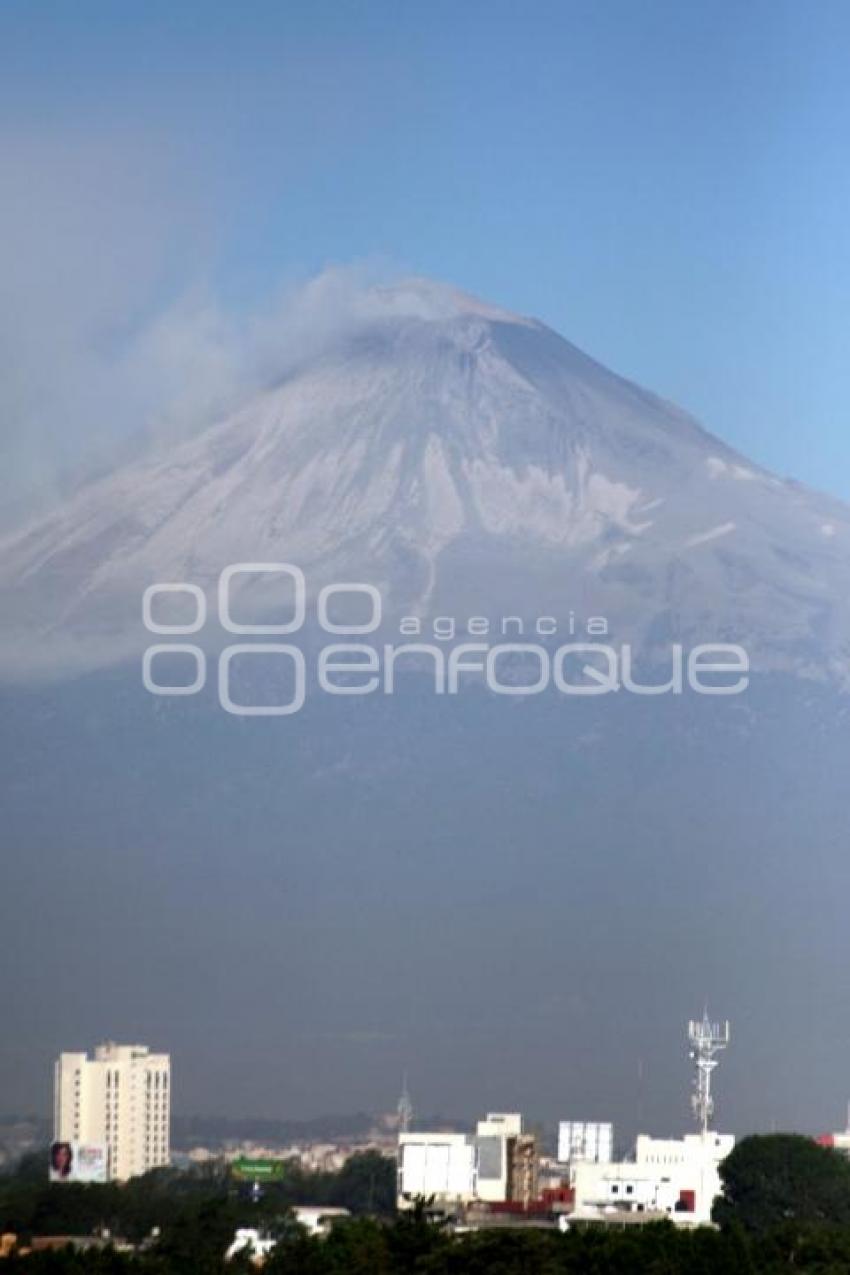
[(499, 910), (665, 183)]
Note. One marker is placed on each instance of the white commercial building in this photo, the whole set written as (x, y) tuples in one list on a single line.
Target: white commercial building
[(672, 1176), (494, 1138), (257, 1245), (443, 1165), (495, 1164), (120, 1100)]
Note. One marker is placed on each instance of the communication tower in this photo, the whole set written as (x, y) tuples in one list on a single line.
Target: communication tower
[(706, 1040)]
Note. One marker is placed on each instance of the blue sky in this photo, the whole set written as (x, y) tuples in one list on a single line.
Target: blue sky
[(665, 183)]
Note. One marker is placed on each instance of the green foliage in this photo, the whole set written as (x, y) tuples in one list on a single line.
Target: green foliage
[(785, 1210), (366, 1184), (170, 1199), (358, 1247), (774, 1179), (30, 1205)]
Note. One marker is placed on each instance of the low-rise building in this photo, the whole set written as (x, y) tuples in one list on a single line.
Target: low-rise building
[(674, 1177), (252, 1242), (496, 1164), (439, 1165)]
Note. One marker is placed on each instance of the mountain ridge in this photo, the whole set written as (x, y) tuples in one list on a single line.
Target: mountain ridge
[(452, 453)]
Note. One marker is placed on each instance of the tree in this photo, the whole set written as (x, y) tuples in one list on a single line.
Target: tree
[(773, 1179), (366, 1183)]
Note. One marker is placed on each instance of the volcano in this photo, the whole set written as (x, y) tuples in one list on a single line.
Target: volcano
[(465, 460), (478, 883)]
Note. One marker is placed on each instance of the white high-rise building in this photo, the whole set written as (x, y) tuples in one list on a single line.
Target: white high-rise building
[(120, 1099)]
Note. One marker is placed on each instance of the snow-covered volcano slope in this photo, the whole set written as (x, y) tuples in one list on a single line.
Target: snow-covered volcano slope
[(467, 461)]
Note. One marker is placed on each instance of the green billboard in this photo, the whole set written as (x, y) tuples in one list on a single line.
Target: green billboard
[(246, 1170)]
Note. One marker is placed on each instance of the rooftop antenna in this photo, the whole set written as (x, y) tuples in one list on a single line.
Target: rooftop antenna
[(706, 1040), (404, 1108)]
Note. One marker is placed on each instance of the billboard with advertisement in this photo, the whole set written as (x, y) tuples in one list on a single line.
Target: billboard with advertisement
[(250, 1170), (585, 1140), (77, 1162)]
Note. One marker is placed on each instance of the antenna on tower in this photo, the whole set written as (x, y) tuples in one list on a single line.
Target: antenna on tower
[(404, 1108), (706, 1040)]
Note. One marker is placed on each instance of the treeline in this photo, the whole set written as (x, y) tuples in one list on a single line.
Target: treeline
[(366, 1246), (785, 1208), (171, 1199)]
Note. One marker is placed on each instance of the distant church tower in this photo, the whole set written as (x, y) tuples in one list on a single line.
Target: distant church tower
[(404, 1108)]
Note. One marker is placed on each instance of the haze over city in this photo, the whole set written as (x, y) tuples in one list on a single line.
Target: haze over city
[(502, 315)]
